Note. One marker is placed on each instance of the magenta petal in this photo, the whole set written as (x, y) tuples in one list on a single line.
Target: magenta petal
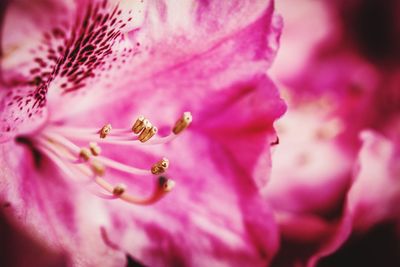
[(212, 217), (242, 122), (310, 171), (215, 209), (18, 249), (60, 84), (55, 213), (176, 34), (309, 179), (374, 195), (19, 113), (48, 60)]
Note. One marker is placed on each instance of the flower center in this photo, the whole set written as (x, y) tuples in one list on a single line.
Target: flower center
[(86, 164)]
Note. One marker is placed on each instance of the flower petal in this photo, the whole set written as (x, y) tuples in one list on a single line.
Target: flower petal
[(18, 249), (58, 57), (374, 194), (54, 212), (309, 180), (303, 181), (216, 199), (209, 211)]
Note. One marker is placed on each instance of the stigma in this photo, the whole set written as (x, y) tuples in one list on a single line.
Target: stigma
[(85, 163)]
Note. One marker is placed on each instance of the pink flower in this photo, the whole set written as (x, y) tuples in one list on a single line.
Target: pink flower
[(69, 68), (326, 173)]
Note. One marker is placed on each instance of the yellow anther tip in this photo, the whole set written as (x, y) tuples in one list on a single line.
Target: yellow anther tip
[(119, 190), (187, 116), (106, 130), (160, 166), (138, 125), (85, 154), (98, 168), (165, 163), (146, 123), (148, 132), (94, 148), (182, 123)]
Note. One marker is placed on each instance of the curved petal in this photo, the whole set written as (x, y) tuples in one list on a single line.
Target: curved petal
[(195, 65), (310, 176), (218, 203), (298, 44), (132, 55), (60, 55), (216, 209), (18, 249), (374, 194), (343, 68), (52, 211), (209, 218), (310, 171)]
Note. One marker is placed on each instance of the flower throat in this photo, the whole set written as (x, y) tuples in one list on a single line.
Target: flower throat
[(59, 144)]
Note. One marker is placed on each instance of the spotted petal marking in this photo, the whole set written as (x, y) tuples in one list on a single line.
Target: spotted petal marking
[(71, 57)]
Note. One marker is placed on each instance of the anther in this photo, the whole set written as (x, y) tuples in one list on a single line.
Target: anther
[(147, 133), (94, 148), (182, 123), (165, 184), (160, 167), (138, 125), (98, 168), (119, 189), (85, 154), (106, 130)]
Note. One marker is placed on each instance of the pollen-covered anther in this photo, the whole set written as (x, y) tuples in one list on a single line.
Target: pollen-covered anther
[(95, 149), (85, 154), (138, 125), (106, 130), (119, 189), (160, 167), (182, 123), (165, 184), (98, 168)]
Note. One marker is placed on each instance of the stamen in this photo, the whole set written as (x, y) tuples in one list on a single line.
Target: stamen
[(85, 154), (60, 163), (98, 168), (160, 166), (58, 143), (123, 137), (119, 190), (94, 148), (106, 130), (74, 150), (139, 125), (147, 133), (182, 123)]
